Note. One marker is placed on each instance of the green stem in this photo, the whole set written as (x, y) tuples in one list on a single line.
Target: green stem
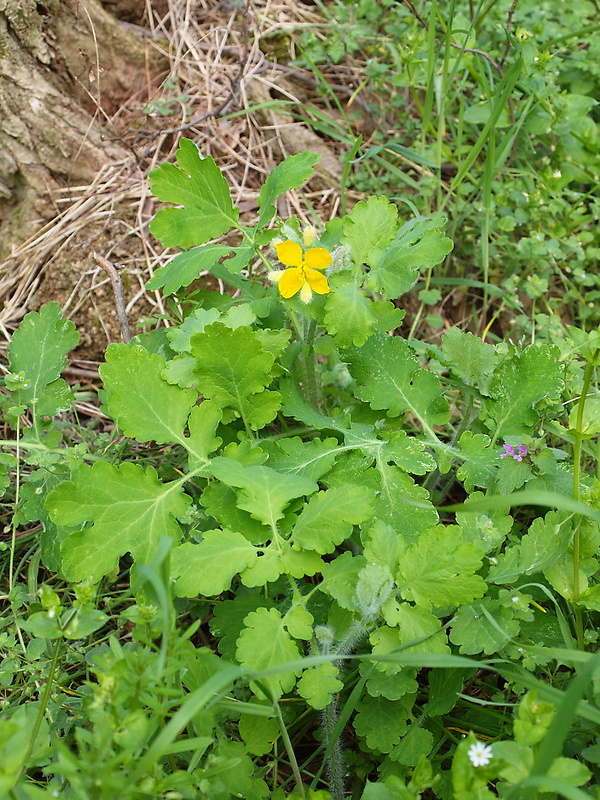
[(419, 313), (43, 705), (335, 770), (587, 378), (13, 538), (288, 746), (432, 479), (331, 713), (310, 366)]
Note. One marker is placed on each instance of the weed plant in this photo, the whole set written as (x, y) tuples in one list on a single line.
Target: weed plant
[(316, 555), (313, 557)]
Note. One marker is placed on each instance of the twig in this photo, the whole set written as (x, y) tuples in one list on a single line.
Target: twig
[(117, 286), (508, 30), (456, 46), (477, 52)]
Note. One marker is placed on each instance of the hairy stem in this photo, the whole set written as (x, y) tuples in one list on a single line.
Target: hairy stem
[(335, 770), (333, 746), (310, 366)]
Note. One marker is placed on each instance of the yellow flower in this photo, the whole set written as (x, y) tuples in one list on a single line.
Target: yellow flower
[(302, 275)]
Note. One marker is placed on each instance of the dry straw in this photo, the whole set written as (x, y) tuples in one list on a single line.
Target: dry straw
[(233, 98)]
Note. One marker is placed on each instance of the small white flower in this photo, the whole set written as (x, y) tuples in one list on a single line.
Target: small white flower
[(480, 754)]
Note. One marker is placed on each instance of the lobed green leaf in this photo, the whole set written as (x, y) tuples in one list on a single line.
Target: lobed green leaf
[(208, 568), (389, 377), (265, 643), (143, 404), (186, 267), (439, 569), (127, 510), (233, 368), (198, 185), (418, 245), (327, 519), (37, 351), (520, 386), (289, 174)]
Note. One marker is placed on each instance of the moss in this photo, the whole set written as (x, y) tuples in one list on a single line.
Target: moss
[(277, 47)]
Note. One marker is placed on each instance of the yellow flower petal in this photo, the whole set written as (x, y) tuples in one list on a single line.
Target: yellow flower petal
[(317, 258), (291, 282), (289, 253), (275, 276), (306, 293), (317, 281)]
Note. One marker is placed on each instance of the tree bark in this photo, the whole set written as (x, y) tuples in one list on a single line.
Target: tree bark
[(65, 67)]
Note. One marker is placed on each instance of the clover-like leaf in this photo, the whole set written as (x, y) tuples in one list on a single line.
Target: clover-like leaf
[(198, 185), (289, 174), (439, 569), (318, 685), (382, 722), (208, 568), (129, 510), (328, 517), (36, 356), (143, 404), (389, 377), (266, 643)]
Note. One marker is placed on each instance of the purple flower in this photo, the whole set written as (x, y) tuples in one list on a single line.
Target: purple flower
[(517, 453)]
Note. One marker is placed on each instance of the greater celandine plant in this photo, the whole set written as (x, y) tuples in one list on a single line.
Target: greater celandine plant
[(306, 452)]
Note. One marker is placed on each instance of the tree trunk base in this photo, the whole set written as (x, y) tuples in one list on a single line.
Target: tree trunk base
[(66, 68)]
